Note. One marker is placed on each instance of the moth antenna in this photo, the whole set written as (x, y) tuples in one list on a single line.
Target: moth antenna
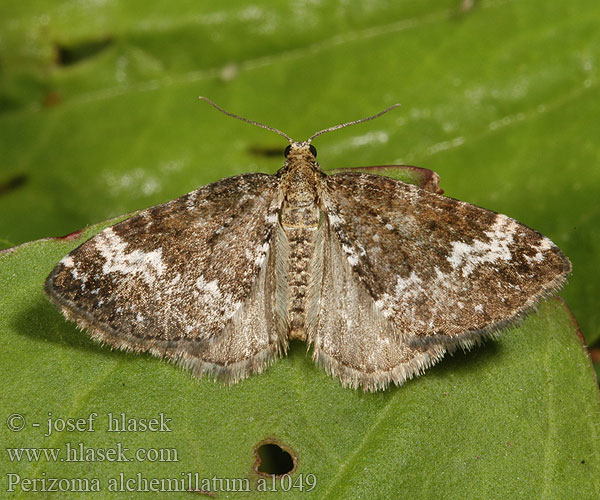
[(262, 125), (342, 125)]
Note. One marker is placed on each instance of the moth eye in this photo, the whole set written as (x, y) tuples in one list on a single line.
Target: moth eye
[(287, 150), (313, 150)]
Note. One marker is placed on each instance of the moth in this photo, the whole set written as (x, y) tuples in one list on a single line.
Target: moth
[(380, 277)]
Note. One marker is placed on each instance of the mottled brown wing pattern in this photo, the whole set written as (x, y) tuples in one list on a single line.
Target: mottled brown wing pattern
[(439, 270), (351, 337), (192, 280)]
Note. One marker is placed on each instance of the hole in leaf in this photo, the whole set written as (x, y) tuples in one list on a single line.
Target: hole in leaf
[(274, 458), (69, 55)]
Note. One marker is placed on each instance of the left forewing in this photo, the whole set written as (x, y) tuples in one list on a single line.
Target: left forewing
[(193, 280)]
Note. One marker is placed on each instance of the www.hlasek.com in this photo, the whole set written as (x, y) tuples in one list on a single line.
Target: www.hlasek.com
[(79, 452), (188, 481)]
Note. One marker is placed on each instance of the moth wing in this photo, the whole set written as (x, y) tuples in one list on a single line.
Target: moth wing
[(438, 269), (350, 336), (192, 280)]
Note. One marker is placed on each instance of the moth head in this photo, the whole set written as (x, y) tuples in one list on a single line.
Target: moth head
[(300, 149)]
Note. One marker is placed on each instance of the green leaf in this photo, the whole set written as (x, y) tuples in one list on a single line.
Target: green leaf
[(517, 418)]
